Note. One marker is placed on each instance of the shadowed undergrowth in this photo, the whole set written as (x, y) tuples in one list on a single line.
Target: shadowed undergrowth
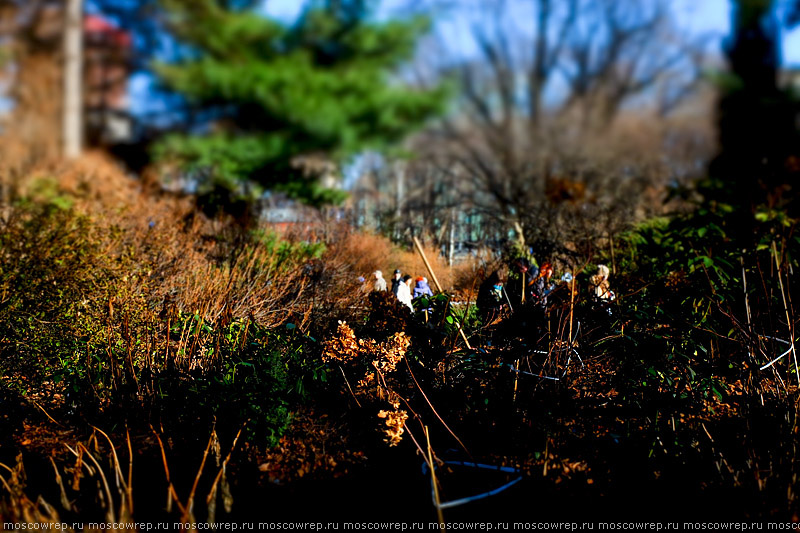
[(213, 359)]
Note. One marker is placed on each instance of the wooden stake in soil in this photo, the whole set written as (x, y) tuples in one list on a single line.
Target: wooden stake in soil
[(438, 285), (427, 265), (747, 308), (613, 260), (510, 307), (786, 308), (571, 310), (746, 300)]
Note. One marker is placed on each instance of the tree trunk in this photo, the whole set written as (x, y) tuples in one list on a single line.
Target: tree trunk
[(451, 250), (73, 79), (400, 176), (539, 70)]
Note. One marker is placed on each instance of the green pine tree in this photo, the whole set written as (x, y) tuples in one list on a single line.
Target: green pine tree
[(272, 92)]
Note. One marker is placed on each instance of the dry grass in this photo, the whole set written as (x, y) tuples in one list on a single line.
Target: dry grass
[(95, 471)]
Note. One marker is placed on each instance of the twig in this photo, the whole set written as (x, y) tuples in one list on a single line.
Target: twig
[(65, 503), (129, 488), (5, 484), (79, 463), (736, 482), (510, 307), (348, 385), (117, 469), (213, 490), (110, 515), (410, 434), (46, 413), (190, 501), (171, 493), (434, 409), (439, 514)]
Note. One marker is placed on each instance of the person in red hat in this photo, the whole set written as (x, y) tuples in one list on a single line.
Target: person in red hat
[(422, 288)]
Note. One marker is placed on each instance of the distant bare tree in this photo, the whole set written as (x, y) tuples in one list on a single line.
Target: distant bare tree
[(545, 133), (571, 118)]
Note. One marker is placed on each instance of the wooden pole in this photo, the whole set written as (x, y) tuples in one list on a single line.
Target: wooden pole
[(746, 308), (786, 308), (571, 309), (613, 261), (400, 177), (438, 285), (427, 265)]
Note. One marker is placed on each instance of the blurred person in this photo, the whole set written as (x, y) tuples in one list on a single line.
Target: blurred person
[(599, 286), (422, 288), (542, 285), (404, 292), (490, 299), (363, 287), (380, 283), (397, 279)]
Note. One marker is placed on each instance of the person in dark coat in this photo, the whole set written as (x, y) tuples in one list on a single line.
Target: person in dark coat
[(490, 299), (397, 279)]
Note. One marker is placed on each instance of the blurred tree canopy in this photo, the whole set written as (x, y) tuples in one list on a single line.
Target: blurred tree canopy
[(274, 97)]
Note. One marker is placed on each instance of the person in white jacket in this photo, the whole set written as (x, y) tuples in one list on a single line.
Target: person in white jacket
[(380, 283), (404, 292)]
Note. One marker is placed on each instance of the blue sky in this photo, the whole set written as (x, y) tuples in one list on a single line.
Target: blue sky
[(694, 16)]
